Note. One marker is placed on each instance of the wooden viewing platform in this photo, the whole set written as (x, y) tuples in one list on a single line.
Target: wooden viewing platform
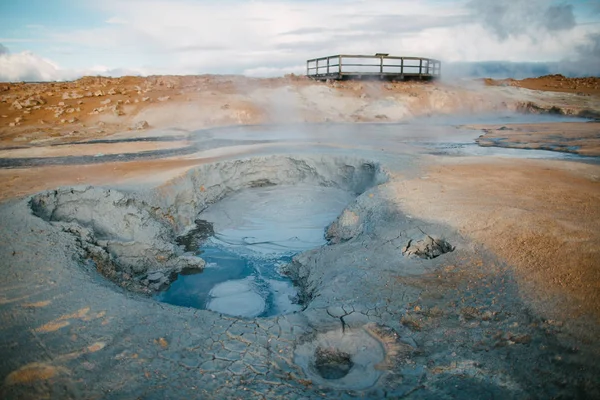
[(380, 66)]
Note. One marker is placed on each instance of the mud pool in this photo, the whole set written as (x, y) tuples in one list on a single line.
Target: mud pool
[(256, 231)]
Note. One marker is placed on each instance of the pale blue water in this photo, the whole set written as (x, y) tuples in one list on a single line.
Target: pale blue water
[(257, 231)]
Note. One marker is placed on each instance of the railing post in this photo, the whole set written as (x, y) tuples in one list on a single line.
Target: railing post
[(327, 65), (381, 65), (402, 67), (420, 68), (340, 64)]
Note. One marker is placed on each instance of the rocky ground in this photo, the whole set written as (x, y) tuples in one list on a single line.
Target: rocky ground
[(452, 275), (50, 113)]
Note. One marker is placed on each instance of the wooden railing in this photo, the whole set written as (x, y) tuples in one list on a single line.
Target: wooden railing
[(378, 66)]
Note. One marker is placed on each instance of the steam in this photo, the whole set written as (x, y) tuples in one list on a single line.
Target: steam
[(515, 17)]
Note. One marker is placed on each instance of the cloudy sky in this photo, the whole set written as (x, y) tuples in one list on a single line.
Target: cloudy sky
[(65, 39)]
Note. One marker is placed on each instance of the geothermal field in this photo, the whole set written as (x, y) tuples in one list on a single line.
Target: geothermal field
[(232, 237)]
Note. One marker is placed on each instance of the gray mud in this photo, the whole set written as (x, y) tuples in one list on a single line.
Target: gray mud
[(393, 306)]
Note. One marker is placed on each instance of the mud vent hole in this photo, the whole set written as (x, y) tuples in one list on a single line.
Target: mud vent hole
[(332, 363)]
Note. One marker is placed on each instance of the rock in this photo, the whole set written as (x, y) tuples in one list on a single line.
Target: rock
[(66, 96), (521, 339), (140, 125), (111, 92), (426, 248), (116, 110), (70, 110), (61, 104), (73, 120), (34, 101), (156, 276), (164, 98), (16, 105), (98, 93), (470, 313), (104, 102), (11, 124), (344, 228), (18, 119), (145, 98)]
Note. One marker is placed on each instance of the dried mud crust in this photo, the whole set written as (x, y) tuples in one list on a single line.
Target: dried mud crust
[(135, 239), (454, 326), (581, 138)]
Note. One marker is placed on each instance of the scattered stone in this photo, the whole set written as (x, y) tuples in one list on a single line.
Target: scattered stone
[(112, 92), (145, 98), (62, 103), (521, 339), (16, 105), (11, 124), (156, 276), (98, 93), (470, 313), (116, 110), (18, 119), (140, 125), (426, 248), (73, 120), (104, 102), (164, 98)]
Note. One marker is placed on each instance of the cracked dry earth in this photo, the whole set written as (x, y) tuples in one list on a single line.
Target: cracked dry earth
[(448, 276)]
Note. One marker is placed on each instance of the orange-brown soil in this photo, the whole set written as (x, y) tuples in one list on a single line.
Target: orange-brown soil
[(542, 217), (553, 83)]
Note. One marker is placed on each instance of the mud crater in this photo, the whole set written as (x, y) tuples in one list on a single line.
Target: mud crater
[(144, 240)]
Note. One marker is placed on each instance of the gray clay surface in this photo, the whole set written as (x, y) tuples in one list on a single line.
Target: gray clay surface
[(392, 306)]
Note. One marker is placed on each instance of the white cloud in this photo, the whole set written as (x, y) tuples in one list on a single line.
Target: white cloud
[(266, 37), (26, 66)]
